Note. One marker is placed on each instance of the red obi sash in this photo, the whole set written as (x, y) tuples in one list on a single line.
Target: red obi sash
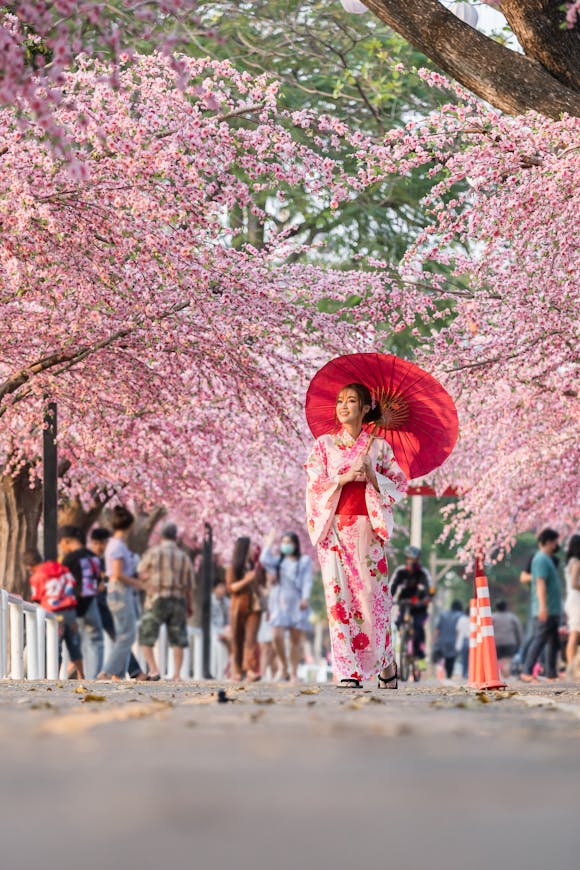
[(352, 501)]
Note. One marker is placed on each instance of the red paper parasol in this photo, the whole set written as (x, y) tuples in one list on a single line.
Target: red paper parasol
[(419, 419)]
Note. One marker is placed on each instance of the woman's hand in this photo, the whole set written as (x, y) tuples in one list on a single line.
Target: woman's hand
[(366, 468), (361, 468), (355, 473)]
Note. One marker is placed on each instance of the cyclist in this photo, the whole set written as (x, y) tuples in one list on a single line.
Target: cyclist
[(412, 582)]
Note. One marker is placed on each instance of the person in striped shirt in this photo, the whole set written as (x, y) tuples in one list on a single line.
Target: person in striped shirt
[(168, 577)]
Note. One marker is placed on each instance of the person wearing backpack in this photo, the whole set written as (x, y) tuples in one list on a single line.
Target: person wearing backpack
[(53, 587)]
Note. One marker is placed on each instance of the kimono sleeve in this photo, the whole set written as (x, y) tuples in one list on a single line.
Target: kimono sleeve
[(392, 488), (322, 494)]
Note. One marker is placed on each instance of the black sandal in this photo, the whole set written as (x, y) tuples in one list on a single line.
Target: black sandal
[(386, 680), (349, 683)]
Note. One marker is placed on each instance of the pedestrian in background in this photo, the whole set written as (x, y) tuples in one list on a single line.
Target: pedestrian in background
[(86, 569), (268, 657), (462, 632), (289, 599), (166, 572), (119, 569), (412, 582), (243, 577), (53, 587), (572, 606), (508, 634), (546, 606), (446, 636), (220, 617), (97, 545)]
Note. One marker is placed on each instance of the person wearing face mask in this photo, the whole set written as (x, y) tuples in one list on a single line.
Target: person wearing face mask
[(289, 600), (546, 607)]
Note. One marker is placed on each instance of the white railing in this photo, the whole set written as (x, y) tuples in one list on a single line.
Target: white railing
[(192, 667), (39, 659), (29, 647)]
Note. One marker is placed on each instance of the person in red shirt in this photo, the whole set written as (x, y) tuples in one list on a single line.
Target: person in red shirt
[(53, 587)]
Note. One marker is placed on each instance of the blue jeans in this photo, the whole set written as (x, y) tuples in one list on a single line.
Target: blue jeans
[(91, 628), (68, 630), (120, 601)]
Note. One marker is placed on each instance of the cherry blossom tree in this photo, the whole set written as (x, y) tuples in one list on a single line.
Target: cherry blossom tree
[(510, 353), (172, 352), (179, 359), (40, 41)]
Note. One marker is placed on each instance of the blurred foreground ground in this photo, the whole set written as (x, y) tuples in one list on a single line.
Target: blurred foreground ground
[(159, 776)]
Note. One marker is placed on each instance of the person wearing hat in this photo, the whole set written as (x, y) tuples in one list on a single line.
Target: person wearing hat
[(168, 577), (412, 582)]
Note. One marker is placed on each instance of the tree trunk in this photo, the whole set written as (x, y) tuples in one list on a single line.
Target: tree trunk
[(538, 27), (20, 513), (73, 513), (145, 522), (513, 82)]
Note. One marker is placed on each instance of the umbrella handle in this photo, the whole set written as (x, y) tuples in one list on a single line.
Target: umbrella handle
[(372, 438)]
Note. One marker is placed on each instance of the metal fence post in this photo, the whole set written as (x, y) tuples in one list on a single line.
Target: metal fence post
[(50, 482), (207, 584)]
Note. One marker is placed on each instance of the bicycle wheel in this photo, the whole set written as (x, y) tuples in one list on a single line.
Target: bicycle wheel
[(404, 656)]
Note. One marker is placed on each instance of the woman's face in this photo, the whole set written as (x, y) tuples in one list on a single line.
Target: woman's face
[(287, 546), (348, 408)]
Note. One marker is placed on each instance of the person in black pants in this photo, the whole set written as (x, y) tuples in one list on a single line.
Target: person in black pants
[(546, 607), (97, 543), (412, 582)]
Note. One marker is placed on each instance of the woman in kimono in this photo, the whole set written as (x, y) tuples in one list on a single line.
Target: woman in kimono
[(353, 482)]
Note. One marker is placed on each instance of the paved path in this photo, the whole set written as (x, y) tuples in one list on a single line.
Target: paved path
[(156, 776)]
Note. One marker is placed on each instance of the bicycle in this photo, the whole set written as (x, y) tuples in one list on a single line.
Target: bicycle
[(407, 664)]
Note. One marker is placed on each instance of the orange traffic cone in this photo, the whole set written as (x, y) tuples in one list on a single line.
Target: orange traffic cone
[(486, 666)]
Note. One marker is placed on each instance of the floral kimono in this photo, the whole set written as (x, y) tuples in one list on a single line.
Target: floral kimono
[(350, 526)]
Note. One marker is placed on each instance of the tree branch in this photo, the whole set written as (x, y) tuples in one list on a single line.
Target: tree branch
[(64, 360), (508, 80)]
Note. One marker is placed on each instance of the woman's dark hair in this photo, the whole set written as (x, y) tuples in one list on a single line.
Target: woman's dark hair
[(100, 534), (573, 550), (122, 518), (457, 605), (365, 398), (295, 540), (240, 557), (501, 606)]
